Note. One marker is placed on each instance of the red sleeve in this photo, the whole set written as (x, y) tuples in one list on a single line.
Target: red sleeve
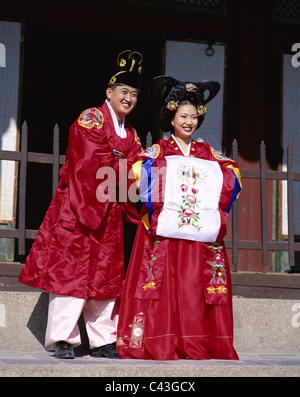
[(135, 149), (129, 210), (84, 157)]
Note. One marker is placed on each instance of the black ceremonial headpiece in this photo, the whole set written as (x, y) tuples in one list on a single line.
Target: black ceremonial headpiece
[(169, 92), (128, 69)]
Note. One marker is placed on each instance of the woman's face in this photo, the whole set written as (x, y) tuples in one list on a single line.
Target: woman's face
[(185, 121)]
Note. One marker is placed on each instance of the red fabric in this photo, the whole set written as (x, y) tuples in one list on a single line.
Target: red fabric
[(188, 317), (78, 250)]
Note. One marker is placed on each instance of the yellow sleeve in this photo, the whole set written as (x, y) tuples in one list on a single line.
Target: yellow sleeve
[(136, 167), (238, 176)]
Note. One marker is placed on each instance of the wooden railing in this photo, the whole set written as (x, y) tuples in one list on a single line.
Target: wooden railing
[(263, 175), (23, 157)]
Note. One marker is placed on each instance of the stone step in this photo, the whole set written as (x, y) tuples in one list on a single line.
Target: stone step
[(265, 326), (126, 372), (267, 339)]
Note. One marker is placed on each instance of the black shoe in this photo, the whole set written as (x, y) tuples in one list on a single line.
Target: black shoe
[(108, 351), (64, 350)]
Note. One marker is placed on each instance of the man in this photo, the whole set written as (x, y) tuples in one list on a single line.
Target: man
[(78, 255)]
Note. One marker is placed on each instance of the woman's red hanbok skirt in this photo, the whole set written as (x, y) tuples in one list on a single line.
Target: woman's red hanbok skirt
[(179, 325)]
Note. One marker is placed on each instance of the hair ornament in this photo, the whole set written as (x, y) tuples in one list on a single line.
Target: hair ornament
[(201, 110), (190, 87), (172, 105)]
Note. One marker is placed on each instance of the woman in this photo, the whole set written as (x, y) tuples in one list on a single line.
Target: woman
[(177, 300)]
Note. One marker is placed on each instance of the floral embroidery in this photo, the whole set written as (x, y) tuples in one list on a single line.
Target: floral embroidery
[(137, 332), (218, 270), (150, 283), (222, 290), (91, 118), (216, 247), (188, 214), (211, 289)]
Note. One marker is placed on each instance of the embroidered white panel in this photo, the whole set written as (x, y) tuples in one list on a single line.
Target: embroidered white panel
[(191, 203)]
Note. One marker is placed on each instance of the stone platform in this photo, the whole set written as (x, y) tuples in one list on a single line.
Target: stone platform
[(267, 339), (44, 364)]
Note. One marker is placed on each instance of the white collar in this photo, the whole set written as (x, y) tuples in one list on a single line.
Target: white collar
[(187, 153), (119, 128)]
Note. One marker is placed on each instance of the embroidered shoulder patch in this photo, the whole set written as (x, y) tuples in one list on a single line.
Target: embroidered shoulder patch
[(118, 154), (91, 118), (137, 138), (152, 152), (218, 155)]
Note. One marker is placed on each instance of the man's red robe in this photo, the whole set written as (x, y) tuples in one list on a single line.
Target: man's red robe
[(78, 250)]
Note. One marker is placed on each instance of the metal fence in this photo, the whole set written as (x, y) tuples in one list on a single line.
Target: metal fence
[(23, 157)]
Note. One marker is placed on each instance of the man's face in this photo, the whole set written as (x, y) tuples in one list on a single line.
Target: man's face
[(122, 99)]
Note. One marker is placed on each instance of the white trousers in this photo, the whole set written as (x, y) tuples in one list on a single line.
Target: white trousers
[(100, 316)]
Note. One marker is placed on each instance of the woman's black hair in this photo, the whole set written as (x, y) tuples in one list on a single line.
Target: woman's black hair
[(180, 94), (166, 89)]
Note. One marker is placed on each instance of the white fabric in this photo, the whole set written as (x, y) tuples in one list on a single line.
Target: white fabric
[(193, 186), (64, 312), (119, 128), (187, 153)]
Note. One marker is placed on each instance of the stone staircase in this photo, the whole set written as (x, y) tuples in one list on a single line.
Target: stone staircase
[(263, 328)]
